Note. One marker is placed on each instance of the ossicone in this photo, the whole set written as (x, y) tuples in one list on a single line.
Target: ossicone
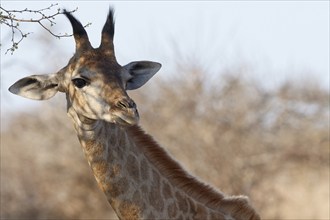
[(108, 32), (79, 33)]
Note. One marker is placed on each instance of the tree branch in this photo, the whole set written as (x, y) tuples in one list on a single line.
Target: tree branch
[(12, 19)]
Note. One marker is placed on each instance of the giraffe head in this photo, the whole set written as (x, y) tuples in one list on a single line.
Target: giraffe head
[(94, 83)]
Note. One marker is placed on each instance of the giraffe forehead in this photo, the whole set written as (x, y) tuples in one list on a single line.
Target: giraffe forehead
[(96, 67)]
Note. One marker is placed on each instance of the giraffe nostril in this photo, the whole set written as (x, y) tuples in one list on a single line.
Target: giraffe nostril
[(125, 104), (122, 104)]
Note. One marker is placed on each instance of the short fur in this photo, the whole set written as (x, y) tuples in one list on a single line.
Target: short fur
[(193, 187)]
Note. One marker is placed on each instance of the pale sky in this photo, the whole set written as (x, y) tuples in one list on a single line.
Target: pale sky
[(279, 39)]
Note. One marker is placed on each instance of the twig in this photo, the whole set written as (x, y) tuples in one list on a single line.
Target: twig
[(10, 19)]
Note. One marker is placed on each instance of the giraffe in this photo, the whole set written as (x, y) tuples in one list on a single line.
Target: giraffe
[(139, 178)]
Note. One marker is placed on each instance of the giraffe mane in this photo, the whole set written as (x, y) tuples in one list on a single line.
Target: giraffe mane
[(236, 206)]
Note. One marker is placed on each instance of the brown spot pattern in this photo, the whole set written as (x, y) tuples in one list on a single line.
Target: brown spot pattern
[(182, 202), (129, 210), (151, 216), (201, 212), (133, 168), (93, 148), (137, 199), (117, 188), (167, 191), (192, 206), (214, 215), (144, 170), (100, 168), (154, 195), (172, 210), (115, 170)]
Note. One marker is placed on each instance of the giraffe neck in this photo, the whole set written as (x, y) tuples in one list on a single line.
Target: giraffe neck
[(141, 181)]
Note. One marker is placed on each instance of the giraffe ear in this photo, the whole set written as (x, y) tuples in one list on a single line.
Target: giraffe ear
[(140, 72), (37, 87)]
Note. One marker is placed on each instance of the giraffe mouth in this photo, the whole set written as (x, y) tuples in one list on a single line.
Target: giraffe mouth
[(126, 118)]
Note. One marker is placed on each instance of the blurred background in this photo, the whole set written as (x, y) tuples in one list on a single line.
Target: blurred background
[(242, 101)]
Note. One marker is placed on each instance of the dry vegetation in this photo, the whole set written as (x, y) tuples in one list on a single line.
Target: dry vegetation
[(270, 145)]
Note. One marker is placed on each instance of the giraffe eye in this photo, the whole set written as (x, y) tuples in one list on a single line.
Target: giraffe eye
[(79, 82)]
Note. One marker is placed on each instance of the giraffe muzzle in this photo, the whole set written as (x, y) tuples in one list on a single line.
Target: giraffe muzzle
[(126, 112)]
